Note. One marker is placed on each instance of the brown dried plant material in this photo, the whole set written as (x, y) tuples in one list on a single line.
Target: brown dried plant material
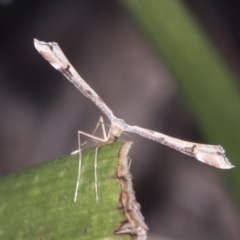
[(135, 225)]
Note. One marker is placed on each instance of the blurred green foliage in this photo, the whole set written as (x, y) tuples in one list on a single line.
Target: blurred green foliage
[(206, 83)]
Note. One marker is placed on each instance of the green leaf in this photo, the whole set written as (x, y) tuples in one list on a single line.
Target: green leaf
[(38, 203)]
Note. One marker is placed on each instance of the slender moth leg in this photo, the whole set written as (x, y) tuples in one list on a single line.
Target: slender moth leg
[(95, 157)]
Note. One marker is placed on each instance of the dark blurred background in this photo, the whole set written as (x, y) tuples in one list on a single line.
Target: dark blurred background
[(40, 112)]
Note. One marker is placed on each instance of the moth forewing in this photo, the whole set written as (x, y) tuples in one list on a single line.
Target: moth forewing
[(213, 155)]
